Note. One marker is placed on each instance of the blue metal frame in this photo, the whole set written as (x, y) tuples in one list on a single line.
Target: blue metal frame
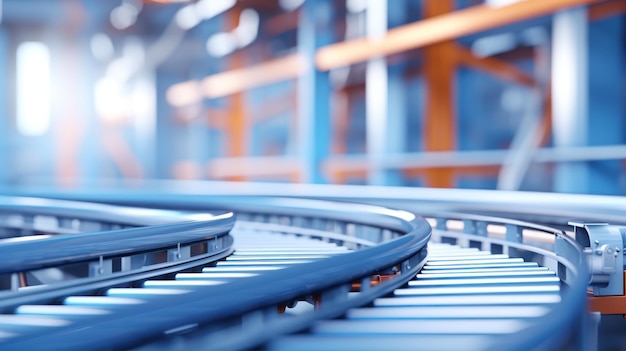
[(570, 81), (314, 31), (607, 83), (4, 108), (208, 306)]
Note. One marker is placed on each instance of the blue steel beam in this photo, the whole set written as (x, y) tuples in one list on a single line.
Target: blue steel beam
[(4, 113), (314, 31), (569, 95), (607, 109), (385, 96), (376, 94)]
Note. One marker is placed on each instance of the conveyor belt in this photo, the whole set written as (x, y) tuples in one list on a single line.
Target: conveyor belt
[(309, 275), (460, 299)]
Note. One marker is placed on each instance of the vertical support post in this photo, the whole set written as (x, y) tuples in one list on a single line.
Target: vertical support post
[(69, 140), (236, 123), (385, 96), (396, 115), (569, 95), (606, 100), (144, 123), (376, 89), (165, 127), (4, 122), (440, 122), (101, 267), (513, 234), (314, 31)]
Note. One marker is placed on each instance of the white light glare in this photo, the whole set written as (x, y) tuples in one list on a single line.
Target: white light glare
[(356, 6), (187, 17), (33, 88), (500, 3), (110, 102), (211, 8), (221, 44), (124, 16), (494, 44), (191, 15), (102, 47), (248, 27), (224, 43), (290, 5)]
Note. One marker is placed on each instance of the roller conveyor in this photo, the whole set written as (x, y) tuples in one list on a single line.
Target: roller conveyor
[(260, 252), (441, 308), (475, 289)]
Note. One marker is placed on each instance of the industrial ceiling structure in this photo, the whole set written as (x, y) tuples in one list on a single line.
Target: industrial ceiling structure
[(496, 95)]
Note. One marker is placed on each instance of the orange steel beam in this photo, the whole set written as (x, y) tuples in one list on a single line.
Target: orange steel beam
[(340, 176), (439, 68), (236, 123), (546, 119), (457, 170), (606, 9), (438, 28), (494, 66), (236, 80), (341, 124)]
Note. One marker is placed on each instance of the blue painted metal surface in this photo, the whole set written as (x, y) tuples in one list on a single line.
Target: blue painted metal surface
[(607, 83), (4, 108), (204, 307), (570, 121), (168, 131), (604, 245), (72, 248), (314, 30)]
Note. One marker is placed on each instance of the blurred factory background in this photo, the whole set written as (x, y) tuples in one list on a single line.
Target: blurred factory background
[(496, 94)]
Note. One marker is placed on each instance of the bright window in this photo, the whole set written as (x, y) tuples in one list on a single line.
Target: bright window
[(33, 88)]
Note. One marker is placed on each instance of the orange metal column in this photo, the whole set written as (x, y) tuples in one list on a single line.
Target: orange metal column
[(440, 123), (236, 123)]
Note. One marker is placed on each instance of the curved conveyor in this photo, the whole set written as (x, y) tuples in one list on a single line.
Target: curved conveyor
[(374, 283)]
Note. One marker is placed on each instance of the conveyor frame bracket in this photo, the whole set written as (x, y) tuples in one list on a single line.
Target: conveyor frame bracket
[(603, 245)]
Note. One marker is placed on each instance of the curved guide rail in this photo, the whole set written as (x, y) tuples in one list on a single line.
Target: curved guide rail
[(563, 327), (397, 250), (50, 253)]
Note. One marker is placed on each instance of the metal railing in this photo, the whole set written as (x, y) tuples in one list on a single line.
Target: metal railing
[(400, 251), (51, 243), (563, 327)]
